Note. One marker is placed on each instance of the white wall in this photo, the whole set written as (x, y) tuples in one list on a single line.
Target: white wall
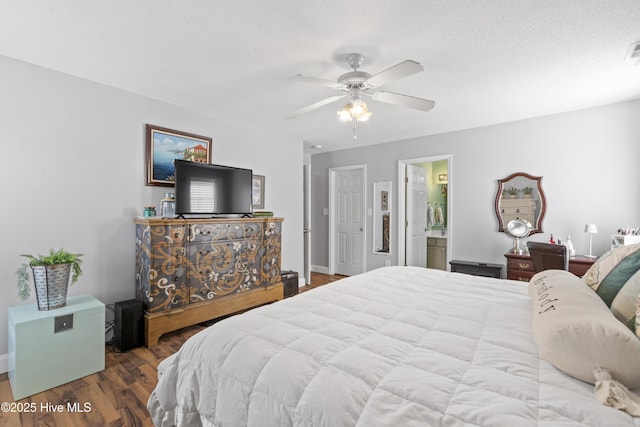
[(588, 160), (73, 176)]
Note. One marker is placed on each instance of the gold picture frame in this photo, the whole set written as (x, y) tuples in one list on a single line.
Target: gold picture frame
[(164, 146)]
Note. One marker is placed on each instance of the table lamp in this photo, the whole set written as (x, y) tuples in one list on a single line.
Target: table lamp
[(590, 229)]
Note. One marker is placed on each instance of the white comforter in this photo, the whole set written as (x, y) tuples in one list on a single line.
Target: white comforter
[(398, 346)]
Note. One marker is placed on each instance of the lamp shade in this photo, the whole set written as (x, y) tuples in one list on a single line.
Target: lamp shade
[(591, 228)]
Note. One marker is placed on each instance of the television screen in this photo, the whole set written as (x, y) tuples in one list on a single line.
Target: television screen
[(212, 189)]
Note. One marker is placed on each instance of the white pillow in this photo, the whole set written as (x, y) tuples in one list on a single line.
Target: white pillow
[(576, 331)]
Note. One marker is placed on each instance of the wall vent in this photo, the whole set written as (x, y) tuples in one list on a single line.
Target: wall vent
[(633, 56)]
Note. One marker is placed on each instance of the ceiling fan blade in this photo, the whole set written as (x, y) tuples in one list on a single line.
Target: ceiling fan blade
[(404, 100), (398, 71), (316, 80), (315, 105)]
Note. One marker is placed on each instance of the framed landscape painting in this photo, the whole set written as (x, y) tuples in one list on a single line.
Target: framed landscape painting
[(166, 145)]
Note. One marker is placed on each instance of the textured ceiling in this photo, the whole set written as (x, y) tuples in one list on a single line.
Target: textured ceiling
[(485, 62)]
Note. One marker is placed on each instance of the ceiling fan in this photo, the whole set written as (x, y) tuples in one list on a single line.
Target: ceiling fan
[(355, 84)]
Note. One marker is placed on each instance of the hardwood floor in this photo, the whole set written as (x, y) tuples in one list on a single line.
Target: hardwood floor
[(114, 397), (318, 279)]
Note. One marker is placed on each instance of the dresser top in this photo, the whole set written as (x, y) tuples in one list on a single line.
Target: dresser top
[(154, 220)]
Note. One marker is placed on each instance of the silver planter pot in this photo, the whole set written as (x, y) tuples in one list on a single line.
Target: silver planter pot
[(51, 284)]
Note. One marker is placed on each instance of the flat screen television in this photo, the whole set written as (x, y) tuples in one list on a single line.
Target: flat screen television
[(212, 189)]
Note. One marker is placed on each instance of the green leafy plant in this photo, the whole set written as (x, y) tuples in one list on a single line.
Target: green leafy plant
[(527, 190), (512, 191), (60, 256)]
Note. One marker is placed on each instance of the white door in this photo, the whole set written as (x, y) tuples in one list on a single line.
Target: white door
[(416, 227), (349, 210)]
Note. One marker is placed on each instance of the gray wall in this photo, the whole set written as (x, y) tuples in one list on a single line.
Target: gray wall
[(73, 176), (588, 160)]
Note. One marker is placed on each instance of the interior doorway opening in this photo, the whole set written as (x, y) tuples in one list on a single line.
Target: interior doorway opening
[(425, 211)]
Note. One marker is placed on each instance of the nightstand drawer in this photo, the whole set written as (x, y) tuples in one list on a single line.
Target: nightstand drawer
[(521, 264), (523, 276)]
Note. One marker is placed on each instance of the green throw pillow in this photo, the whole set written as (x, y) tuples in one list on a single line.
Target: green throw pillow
[(605, 264), (618, 277)]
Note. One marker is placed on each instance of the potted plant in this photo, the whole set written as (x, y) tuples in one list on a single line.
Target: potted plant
[(50, 276), (513, 192), (527, 192)]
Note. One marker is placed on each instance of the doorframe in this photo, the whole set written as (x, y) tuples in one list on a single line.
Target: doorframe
[(306, 232), (402, 202), (333, 215)]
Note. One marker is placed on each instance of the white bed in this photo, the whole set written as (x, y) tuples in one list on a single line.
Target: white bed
[(398, 346)]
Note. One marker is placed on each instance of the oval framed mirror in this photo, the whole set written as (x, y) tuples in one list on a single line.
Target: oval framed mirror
[(520, 196)]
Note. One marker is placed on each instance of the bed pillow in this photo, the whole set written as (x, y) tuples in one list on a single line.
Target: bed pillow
[(637, 325), (625, 304), (576, 332), (604, 265)]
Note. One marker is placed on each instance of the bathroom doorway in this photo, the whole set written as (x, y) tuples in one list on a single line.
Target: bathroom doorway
[(424, 222)]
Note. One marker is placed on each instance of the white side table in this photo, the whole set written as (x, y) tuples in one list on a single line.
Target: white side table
[(53, 347)]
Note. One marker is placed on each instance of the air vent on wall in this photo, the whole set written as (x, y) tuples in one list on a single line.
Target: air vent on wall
[(633, 56)]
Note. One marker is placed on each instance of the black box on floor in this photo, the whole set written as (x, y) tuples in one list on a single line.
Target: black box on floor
[(290, 280), (129, 324)]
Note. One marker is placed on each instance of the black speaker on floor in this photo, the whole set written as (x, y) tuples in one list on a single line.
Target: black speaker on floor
[(129, 324), (290, 282)]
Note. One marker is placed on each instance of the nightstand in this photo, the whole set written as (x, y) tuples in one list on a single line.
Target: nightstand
[(53, 347), (520, 267)]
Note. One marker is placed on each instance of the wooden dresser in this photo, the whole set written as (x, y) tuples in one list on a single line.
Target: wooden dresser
[(192, 270), (520, 267)]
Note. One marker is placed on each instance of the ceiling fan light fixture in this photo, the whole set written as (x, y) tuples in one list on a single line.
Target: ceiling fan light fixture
[(345, 114), (356, 110), (364, 117)]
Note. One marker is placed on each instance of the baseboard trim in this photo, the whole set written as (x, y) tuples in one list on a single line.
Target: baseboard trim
[(4, 363), (320, 269)]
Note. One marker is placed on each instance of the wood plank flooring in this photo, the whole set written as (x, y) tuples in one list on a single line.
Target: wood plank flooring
[(115, 397)]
